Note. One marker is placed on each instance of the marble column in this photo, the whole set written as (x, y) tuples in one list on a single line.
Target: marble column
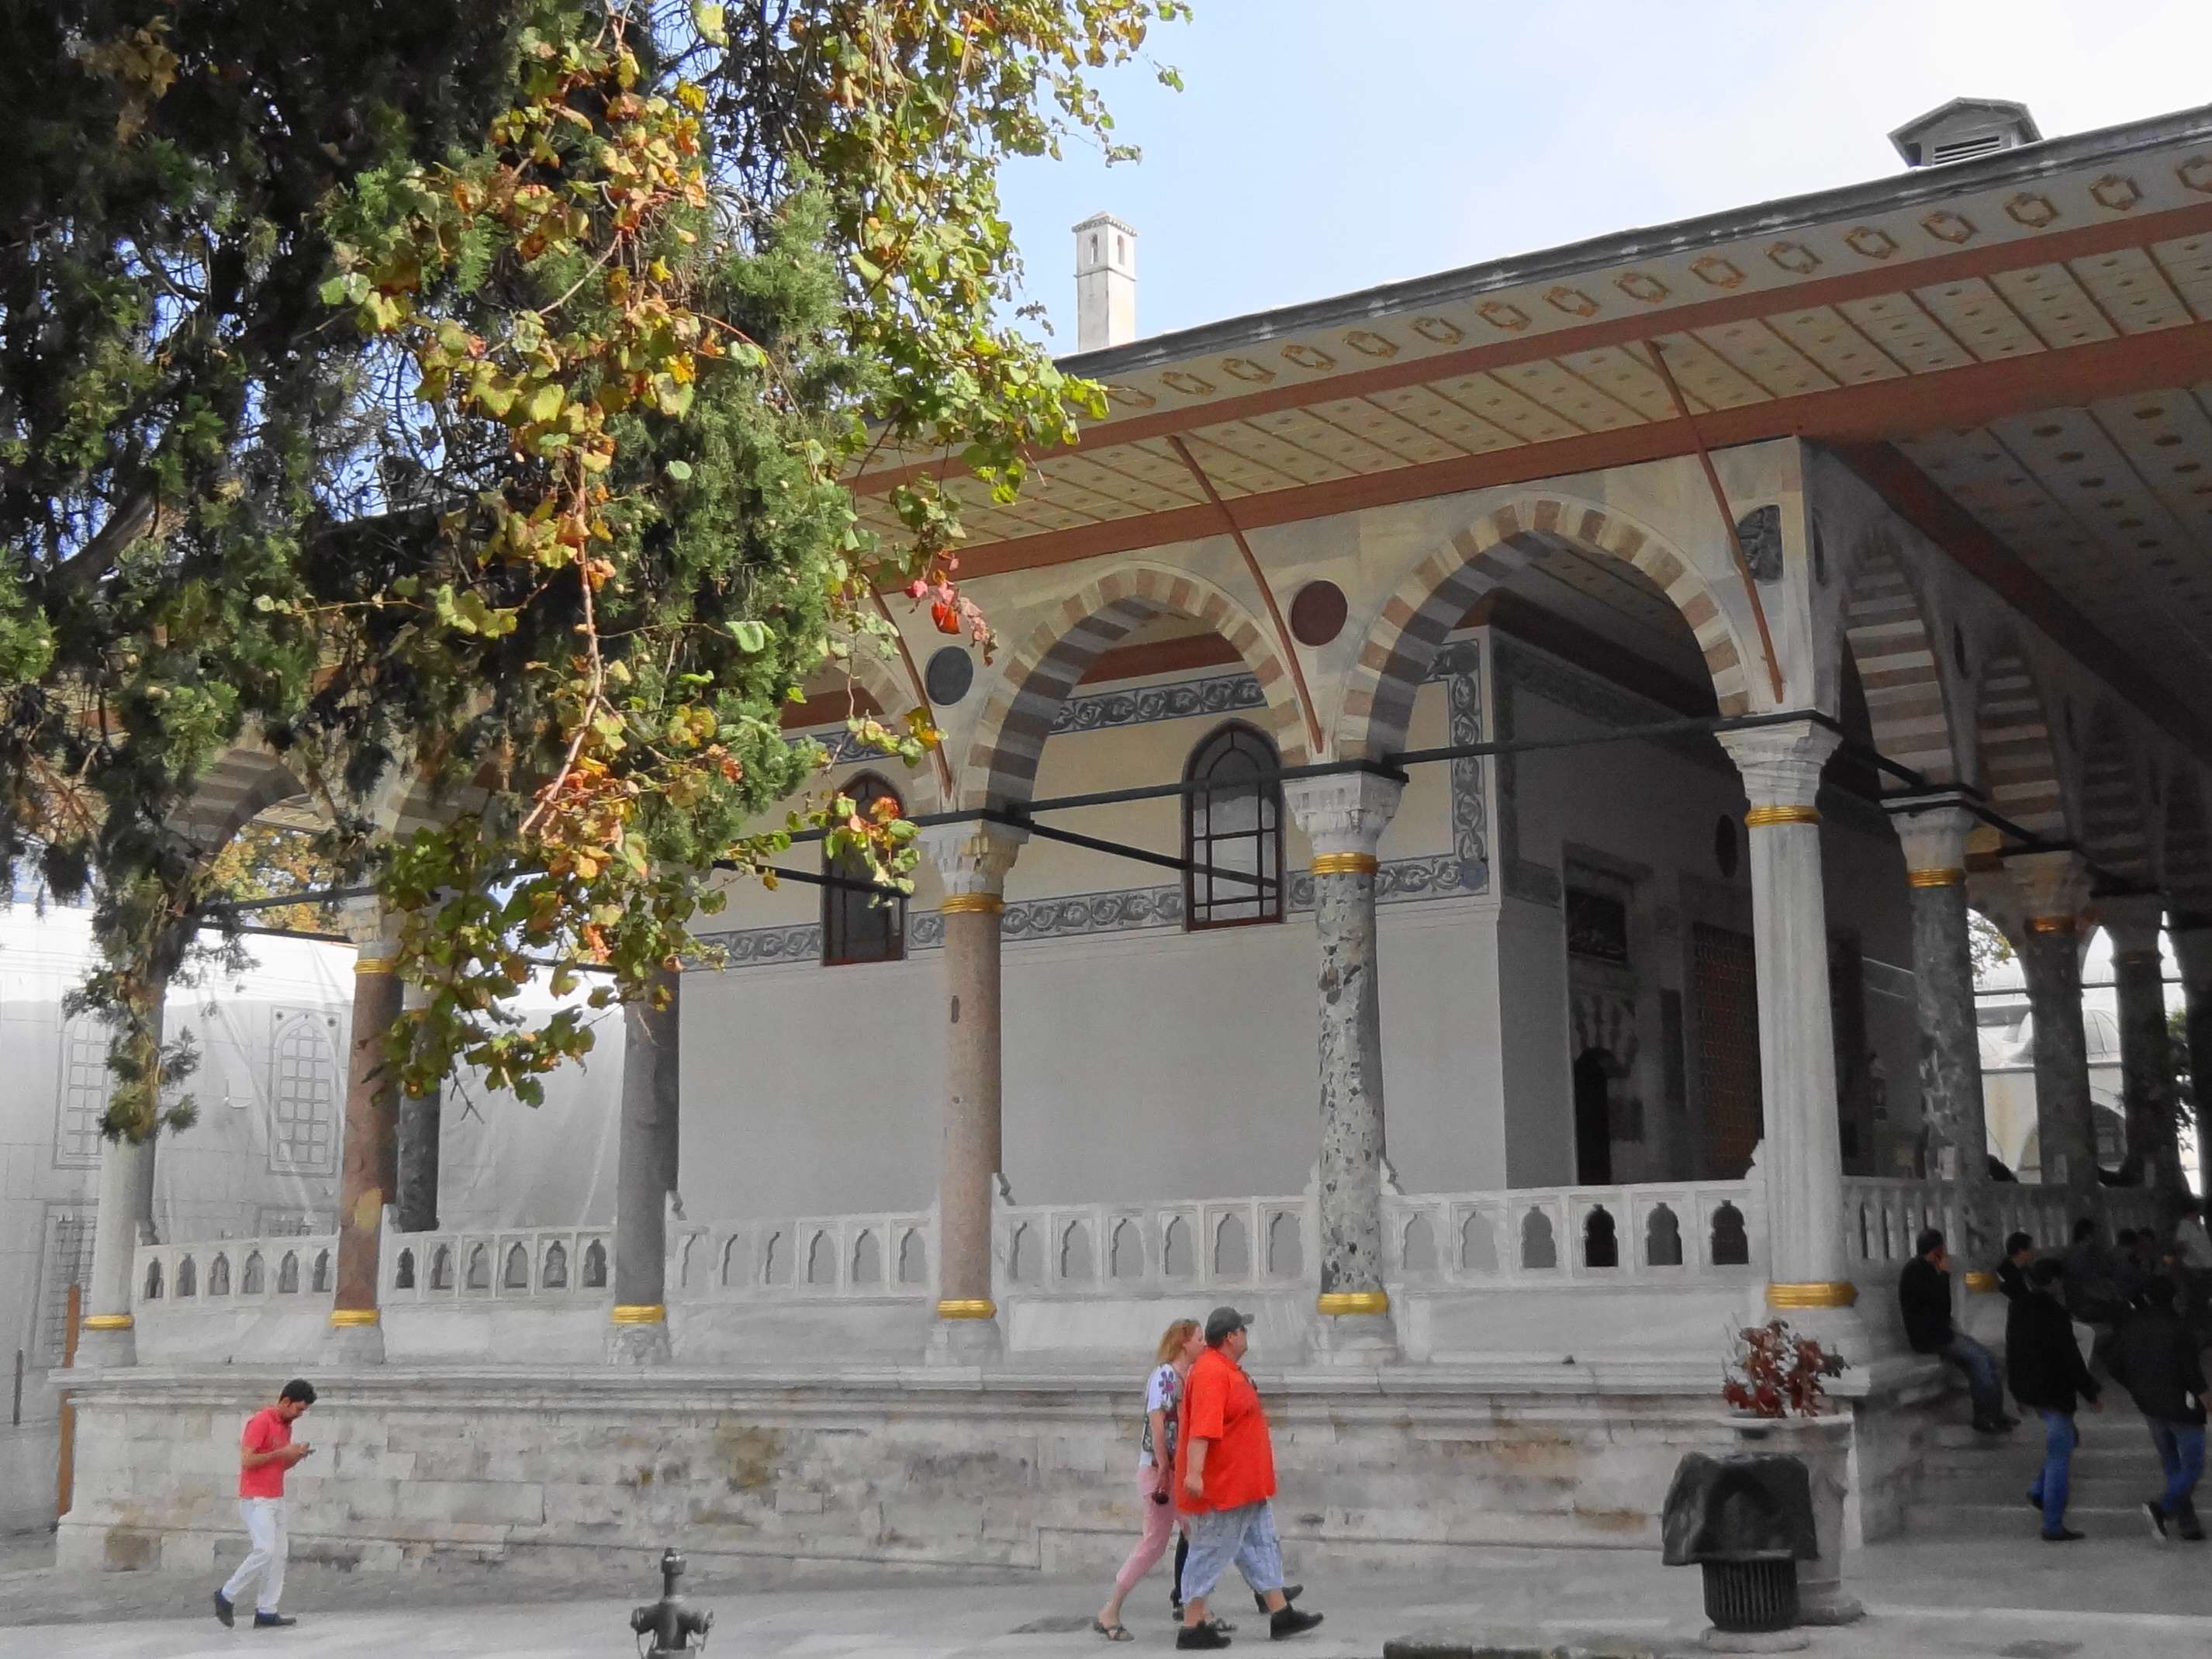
[(1801, 1154), (1343, 816), (2135, 922), (1932, 831), (972, 860), (646, 1174), (122, 1222), (2192, 947), (2053, 886), (368, 1167), (415, 1202)]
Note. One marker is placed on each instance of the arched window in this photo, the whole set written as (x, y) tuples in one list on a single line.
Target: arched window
[(1232, 826), (303, 1130), (859, 926), (86, 1084)]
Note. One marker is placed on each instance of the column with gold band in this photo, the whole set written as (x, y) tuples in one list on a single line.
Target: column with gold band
[(368, 1169), (972, 860), (1344, 817), (1802, 1153), (124, 1221), (1932, 831), (2136, 922), (645, 1172), (2051, 887)]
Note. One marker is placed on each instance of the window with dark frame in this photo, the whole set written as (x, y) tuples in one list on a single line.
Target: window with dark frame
[(857, 924), (1233, 825)]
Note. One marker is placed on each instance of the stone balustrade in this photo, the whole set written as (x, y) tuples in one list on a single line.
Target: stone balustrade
[(508, 1265), (1540, 1237), (232, 1272), (1133, 1249), (839, 1257)]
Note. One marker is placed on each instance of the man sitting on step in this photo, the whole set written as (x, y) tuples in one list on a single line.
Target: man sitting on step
[(1923, 1296)]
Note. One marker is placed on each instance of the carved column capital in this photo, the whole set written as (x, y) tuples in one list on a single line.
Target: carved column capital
[(2135, 921), (375, 934), (2053, 887), (1781, 765), (1933, 830), (973, 859), (1344, 813)]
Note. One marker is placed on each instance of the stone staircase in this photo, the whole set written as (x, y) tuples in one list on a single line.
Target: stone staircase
[(1976, 1486)]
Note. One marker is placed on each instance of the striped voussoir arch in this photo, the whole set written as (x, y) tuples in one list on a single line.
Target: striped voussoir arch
[(1002, 755), (2115, 811), (1438, 593), (1887, 636), (2020, 758), (231, 793), (2185, 856)]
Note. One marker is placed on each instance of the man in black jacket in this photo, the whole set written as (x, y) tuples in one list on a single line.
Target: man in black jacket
[(2012, 1272), (1923, 1296), (2048, 1377), (2155, 1358)]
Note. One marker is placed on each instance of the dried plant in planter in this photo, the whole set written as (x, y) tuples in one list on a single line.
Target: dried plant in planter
[(1776, 1373)]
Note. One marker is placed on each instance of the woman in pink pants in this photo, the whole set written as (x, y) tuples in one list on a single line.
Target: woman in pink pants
[(1181, 1343)]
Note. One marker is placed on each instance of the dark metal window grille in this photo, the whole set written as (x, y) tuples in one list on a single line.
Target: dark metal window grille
[(1234, 824), (68, 1261), (856, 925)]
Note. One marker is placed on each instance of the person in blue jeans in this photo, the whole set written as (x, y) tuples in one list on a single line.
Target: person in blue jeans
[(2155, 1359), (2044, 1366), (1924, 1299)]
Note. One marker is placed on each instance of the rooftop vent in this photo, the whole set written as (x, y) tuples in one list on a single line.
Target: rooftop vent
[(1963, 129)]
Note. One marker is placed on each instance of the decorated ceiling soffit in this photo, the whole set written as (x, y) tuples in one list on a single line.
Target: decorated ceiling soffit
[(1804, 316)]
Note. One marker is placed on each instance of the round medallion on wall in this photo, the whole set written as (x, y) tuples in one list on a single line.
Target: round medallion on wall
[(1317, 613), (950, 673), (1728, 851)]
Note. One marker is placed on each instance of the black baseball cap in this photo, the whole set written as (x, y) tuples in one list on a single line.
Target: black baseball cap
[(1221, 1321)]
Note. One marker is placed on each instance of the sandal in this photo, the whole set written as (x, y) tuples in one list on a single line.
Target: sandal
[(1114, 1632)]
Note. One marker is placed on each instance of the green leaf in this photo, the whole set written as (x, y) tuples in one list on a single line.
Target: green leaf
[(679, 470), (752, 636)]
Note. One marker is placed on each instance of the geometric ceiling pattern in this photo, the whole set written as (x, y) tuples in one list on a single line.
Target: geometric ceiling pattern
[(2112, 504), (2032, 331)]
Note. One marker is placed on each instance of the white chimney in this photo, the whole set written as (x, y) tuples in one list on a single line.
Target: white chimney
[(1105, 284)]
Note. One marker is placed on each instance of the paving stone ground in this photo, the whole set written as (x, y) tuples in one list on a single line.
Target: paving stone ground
[(1995, 1598)]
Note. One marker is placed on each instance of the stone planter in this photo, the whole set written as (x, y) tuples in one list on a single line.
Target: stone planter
[(1823, 1445)]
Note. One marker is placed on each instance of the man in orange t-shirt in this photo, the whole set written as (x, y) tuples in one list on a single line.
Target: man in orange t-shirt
[(265, 1451), (1224, 1477)]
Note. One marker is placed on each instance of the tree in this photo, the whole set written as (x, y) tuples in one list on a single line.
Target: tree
[(1986, 944), (464, 391)]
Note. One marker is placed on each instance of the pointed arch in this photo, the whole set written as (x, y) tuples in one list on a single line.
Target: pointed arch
[(1002, 755), (2116, 809), (1885, 631), (1429, 603), (2017, 749), (234, 791)]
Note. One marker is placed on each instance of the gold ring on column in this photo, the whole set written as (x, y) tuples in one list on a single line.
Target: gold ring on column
[(108, 1322), (1981, 1284), (1345, 864), (2051, 924), (972, 1307), (1818, 1293), (640, 1313), (369, 967), (972, 905), (1764, 817), (1339, 1303), (347, 1319), (1935, 878)]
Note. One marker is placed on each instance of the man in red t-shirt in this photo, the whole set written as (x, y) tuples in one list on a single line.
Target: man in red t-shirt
[(265, 1450), (1224, 1477)]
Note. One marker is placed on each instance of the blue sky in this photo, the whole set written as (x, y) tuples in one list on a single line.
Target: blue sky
[(1321, 147)]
